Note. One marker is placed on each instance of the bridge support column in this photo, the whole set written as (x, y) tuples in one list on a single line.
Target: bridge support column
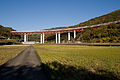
[(74, 34), (41, 38), (25, 37), (68, 36), (56, 37), (59, 38)]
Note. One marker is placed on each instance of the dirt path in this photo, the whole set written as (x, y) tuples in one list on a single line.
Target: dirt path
[(25, 66)]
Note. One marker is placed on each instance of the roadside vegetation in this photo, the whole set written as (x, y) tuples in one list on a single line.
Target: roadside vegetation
[(8, 52), (9, 42), (75, 62)]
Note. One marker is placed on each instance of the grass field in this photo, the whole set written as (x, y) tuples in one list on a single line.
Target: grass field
[(74, 62), (8, 52)]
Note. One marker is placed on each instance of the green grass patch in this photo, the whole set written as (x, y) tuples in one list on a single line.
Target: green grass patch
[(75, 62), (8, 52)]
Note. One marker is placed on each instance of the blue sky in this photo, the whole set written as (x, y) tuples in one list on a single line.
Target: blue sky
[(25, 15)]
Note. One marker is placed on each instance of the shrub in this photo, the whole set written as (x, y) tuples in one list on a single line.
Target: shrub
[(9, 42)]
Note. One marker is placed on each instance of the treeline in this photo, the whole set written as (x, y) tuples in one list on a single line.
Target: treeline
[(103, 34), (5, 33), (113, 16)]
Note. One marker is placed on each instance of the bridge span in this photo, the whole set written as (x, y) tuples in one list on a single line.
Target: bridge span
[(57, 32)]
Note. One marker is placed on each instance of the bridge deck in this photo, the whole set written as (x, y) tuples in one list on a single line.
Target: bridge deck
[(61, 30)]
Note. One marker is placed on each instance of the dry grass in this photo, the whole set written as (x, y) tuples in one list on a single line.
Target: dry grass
[(8, 52), (102, 61)]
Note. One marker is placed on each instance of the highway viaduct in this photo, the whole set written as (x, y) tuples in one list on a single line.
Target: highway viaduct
[(57, 32)]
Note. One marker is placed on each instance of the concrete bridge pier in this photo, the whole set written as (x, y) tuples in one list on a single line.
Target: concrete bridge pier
[(68, 36), (25, 37), (41, 38), (59, 37), (56, 38), (74, 34), (42, 35)]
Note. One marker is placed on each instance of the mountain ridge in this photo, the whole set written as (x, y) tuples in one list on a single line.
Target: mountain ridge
[(110, 17)]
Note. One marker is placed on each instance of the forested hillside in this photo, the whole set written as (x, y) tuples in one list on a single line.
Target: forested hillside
[(104, 34), (110, 17), (5, 32), (5, 36)]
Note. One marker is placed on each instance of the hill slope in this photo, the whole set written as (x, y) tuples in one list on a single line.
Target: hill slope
[(109, 33), (104, 34), (5, 32), (110, 17)]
